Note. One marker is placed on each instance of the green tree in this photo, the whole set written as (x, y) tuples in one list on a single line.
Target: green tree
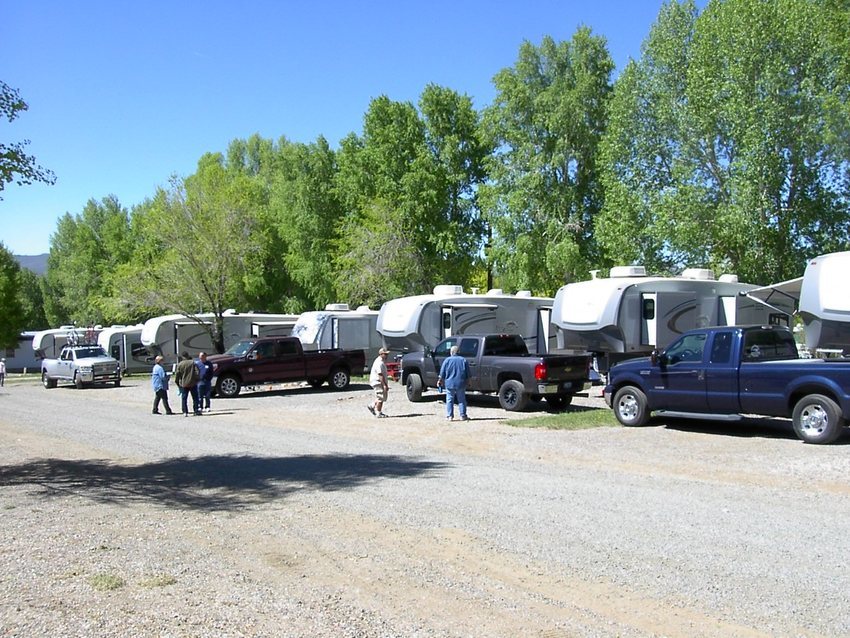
[(12, 317), (546, 124), (200, 246), (31, 296), (724, 147), (15, 164), (84, 251)]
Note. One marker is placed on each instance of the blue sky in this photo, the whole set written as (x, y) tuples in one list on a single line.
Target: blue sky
[(124, 94)]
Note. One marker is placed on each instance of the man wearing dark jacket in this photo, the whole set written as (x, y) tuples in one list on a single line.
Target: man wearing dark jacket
[(186, 377)]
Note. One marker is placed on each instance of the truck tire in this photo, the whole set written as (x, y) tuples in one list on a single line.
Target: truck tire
[(339, 379), (630, 406), (512, 396), (559, 401), (78, 382), (47, 382), (817, 419), (414, 387), (228, 386)]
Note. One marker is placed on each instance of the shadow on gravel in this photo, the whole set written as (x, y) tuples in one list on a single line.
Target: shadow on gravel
[(210, 482), (750, 428)]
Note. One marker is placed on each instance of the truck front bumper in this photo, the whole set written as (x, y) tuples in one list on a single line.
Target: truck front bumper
[(608, 396)]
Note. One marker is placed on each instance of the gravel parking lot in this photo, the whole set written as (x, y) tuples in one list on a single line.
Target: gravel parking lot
[(296, 513)]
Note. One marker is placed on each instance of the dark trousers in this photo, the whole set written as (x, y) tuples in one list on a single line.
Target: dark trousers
[(184, 398), (204, 392), (161, 395)]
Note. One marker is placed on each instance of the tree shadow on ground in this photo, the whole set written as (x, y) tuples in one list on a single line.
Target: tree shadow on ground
[(226, 482)]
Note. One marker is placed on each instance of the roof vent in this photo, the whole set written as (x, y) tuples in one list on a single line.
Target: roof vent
[(495, 292), (364, 309), (628, 271), (698, 273), (523, 293), (446, 290), (338, 307), (731, 279)]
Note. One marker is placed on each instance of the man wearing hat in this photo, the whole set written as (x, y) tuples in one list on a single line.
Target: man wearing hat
[(378, 381)]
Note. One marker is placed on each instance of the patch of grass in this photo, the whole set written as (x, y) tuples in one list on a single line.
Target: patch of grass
[(158, 580), (573, 419), (106, 582)]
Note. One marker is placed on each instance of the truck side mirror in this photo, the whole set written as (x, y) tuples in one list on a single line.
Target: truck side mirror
[(654, 357)]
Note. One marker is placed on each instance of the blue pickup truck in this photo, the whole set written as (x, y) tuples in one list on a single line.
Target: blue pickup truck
[(727, 372)]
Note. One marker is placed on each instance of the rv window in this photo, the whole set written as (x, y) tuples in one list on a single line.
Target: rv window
[(447, 321), (116, 352), (138, 350), (649, 309), (468, 348)]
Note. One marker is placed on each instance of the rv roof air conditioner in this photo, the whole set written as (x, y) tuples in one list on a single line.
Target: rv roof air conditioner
[(523, 293), (495, 292), (446, 290), (364, 309), (698, 273), (628, 271), (731, 279), (336, 306)]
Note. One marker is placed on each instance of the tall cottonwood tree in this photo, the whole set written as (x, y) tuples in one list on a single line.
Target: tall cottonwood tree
[(84, 251), (15, 164), (12, 317), (201, 246), (544, 193), (723, 143)]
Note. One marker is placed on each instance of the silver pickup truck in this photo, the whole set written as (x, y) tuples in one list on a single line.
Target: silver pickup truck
[(81, 365)]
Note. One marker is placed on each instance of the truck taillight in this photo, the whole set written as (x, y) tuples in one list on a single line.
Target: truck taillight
[(540, 372)]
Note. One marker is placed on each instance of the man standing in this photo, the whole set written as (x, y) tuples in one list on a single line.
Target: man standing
[(186, 376), (2, 372), (159, 380), (205, 370), (454, 373), (379, 383)]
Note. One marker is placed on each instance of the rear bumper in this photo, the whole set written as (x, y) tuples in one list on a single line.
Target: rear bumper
[(561, 387)]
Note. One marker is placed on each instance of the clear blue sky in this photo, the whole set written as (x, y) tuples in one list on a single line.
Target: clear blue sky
[(124, 94)]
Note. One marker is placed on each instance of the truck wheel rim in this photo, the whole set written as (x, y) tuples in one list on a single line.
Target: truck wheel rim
[(339, 379), (228, 386), (628, 407), (814, 419)]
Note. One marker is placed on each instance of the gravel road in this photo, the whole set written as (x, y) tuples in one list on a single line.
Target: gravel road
[(296, 513)]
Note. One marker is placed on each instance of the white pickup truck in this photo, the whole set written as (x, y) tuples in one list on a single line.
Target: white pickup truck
[(81, 365)]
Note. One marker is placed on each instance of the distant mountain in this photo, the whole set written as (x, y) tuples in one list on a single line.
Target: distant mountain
[(36, 263)]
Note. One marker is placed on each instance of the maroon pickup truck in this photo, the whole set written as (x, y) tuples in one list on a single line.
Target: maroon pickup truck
[(281, 360)]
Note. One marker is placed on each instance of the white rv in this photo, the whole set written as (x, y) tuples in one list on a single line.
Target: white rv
[(629, 313), (47, 344), (169, 335), (410, 324), (22, 358), (825, 301), (337, 326), (124, 343)]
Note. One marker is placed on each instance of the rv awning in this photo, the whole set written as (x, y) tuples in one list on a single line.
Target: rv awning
[(776, 293)]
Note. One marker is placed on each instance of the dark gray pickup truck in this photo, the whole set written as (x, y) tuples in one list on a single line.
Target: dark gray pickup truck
[(502, 364)]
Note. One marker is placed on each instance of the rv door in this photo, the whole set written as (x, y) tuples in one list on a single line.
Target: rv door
[(648, 318), (544, 322)]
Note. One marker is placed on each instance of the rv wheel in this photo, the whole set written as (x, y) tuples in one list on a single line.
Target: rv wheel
[(414, 387), (512, 396)]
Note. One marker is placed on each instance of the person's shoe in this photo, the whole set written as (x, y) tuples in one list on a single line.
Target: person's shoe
[(450, 418), (170, 412), (185, 414), (371, 408), (381, 415), (465, 418), (155, 412), (207, 409), (199, 413)]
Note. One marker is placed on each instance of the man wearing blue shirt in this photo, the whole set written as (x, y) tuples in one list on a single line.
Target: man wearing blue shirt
[(454, 373)]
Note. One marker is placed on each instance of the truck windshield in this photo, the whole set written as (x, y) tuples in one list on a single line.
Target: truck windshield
[(94, 351), (240, 349)]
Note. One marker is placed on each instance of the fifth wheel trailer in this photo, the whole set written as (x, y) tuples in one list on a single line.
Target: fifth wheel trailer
[(124, 343), (629, 314), (337, 326), (410, 324), (170, 335)]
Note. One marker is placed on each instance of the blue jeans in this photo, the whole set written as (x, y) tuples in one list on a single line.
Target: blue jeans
[(456, 395), (204, 392), (184, 399)]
